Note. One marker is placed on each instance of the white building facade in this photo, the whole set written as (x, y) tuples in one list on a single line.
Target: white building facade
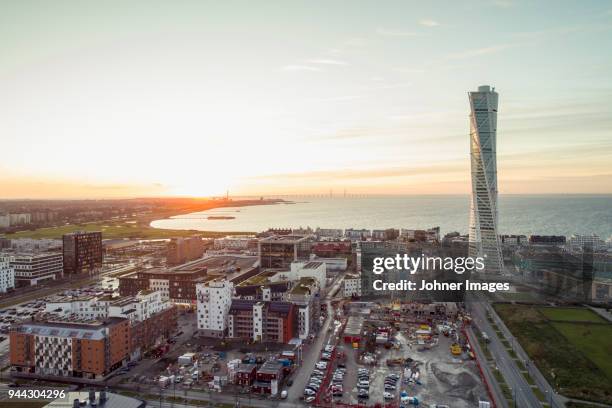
[(352, 286), (34, 268), (214, 299), (7, 275)]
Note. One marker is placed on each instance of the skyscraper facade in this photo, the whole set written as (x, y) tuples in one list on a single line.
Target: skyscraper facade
[(484, 238)]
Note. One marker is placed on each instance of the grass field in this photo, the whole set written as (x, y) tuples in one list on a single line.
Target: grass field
[(571, 314), (116, 230), (595, 341), (574, 357)]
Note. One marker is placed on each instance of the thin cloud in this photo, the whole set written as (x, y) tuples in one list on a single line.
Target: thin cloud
[(429, 23), (480, 51), (326, 61), (396, 33), (503, 3), (301, 68)]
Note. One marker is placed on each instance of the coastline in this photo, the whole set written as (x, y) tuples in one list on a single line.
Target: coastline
[(139, 227)]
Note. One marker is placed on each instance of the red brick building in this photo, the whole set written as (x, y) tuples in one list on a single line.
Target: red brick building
[(70, 347), (245, 374)]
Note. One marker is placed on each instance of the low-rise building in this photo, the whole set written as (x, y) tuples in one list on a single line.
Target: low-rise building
[(333, 233), (357, 234), (268, 378), (245, 374), (236, 243)]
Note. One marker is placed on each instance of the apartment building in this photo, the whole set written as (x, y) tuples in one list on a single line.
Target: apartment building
[(261, 321), (176, 285), (7, 275), (181, 250), (34, 268), (71, 347), (352, 285), (84, 307), (151, 318), (214, 299), (83, 252), (305, 296)]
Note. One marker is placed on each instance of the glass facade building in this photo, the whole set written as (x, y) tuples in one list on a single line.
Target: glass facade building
[(483, 234)]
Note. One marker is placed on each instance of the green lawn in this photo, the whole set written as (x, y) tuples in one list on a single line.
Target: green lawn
[(571, 314), (116, 230), (593, 340), (574, 357)]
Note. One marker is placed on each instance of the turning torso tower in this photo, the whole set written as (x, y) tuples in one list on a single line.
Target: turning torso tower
[(484, 239)]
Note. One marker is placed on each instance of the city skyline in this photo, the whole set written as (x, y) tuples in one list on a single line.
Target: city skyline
[(152, 99)]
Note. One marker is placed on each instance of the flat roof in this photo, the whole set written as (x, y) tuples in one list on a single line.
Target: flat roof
[(289, 239), (312, 265)]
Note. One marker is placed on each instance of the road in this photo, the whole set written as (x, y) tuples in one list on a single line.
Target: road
[(312, 351), (522, 393), (498, 397), (552, 397)]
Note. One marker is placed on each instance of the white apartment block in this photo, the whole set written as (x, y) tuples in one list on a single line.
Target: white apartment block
[(162, 286), (352, 285), (34, 268), (135, 308), (214, 299), (7, 275), (85, 307), (140, 307)]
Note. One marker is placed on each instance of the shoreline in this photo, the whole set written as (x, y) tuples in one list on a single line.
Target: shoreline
[(140, 228)]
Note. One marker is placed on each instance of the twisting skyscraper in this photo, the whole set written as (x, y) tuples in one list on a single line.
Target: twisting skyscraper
[(484, 239)]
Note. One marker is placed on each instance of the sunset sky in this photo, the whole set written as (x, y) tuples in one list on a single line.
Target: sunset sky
[(141, 98)]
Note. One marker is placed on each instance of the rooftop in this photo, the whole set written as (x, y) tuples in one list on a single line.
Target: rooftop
[(288, 239), (304, 286), (312, 265)]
